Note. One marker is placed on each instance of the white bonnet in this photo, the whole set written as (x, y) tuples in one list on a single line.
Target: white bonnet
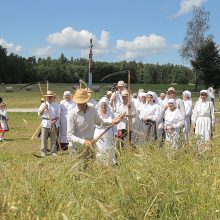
[(67, 93)]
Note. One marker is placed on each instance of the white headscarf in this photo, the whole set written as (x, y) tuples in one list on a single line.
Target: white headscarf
[(206, 92), (171, 101), (154, 95), (188, 94), (67, 93)]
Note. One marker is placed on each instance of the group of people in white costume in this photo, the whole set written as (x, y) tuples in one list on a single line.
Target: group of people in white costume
[(81, 119)]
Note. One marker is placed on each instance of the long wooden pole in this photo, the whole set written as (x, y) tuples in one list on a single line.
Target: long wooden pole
[(129, 107), (47, 86)]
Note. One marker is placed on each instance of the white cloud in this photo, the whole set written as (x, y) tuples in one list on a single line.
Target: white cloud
[(11, 48), (101, 46), (73, 39), (43, 51), (141, 46), (70, 38), (176, 46), (187, 6)]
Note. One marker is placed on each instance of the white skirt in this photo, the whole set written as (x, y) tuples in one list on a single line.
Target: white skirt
[(203, 128), (105, 154)]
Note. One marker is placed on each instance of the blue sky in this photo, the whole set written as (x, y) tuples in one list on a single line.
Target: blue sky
[(150, 31)]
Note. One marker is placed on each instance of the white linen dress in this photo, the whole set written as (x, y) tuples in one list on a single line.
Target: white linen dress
[(105, 146), (204, 118)]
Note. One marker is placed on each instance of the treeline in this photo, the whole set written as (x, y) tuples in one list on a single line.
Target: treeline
[(16, 69)]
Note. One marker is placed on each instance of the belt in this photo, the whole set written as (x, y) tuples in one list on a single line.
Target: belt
[(46, 118)]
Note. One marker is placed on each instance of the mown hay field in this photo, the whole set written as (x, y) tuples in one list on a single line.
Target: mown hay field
[(148, 183), (20, 98)]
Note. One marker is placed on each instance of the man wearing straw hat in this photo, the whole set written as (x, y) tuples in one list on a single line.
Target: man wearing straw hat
[(81, 121), (50, 114)]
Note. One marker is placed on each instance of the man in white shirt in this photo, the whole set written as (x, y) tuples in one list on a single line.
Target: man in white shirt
[(128, 108), (116, 97), (50, 114), (81, 121)]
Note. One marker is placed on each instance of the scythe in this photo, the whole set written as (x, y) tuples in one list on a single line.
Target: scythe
[(129, 95), (30, 84), (114, 74)]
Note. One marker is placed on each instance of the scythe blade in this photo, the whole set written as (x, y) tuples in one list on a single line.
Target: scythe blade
[(114, 74), (30, 84)]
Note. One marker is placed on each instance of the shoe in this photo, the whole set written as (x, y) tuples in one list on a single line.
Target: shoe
[(54, 154), (43, 154)]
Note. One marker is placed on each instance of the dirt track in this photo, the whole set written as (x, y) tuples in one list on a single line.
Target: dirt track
[(22, 110)]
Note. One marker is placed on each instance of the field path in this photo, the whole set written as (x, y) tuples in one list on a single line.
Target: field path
[(22, 110)]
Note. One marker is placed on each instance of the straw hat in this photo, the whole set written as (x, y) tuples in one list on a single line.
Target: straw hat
[(81, 96), (50, 93), (89, 90), (171, 89), (121, 83), (109, 92)]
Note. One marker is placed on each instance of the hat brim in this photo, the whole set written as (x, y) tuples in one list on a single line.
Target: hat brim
[(51, 95), (80, 101)]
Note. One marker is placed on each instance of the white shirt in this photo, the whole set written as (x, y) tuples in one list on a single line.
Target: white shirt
[(173, 118), (115, 99), (122, 108), (203, 109), (66, 106), (211, 92), (150, 111), (80, 125), (52, 112), (92, 102), (188, 107)]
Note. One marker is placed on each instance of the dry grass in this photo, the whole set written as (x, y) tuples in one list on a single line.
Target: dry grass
[(146, 185)]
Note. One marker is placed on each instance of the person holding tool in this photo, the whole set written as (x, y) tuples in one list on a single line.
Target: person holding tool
[(81, 121), (50, 114)]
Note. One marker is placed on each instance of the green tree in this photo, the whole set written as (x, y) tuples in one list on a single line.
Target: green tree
[(207, 62)]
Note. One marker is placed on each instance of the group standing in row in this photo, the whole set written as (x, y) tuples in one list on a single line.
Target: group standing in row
[(80, 119)]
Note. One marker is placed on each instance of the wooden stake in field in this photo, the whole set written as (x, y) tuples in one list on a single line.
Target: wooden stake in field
[(129, 108)]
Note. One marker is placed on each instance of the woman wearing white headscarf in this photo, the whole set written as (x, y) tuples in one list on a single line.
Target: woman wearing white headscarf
[(149, 116), (203, 117), (65, 105), (173, 121), (105, 154), (188, 109)]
